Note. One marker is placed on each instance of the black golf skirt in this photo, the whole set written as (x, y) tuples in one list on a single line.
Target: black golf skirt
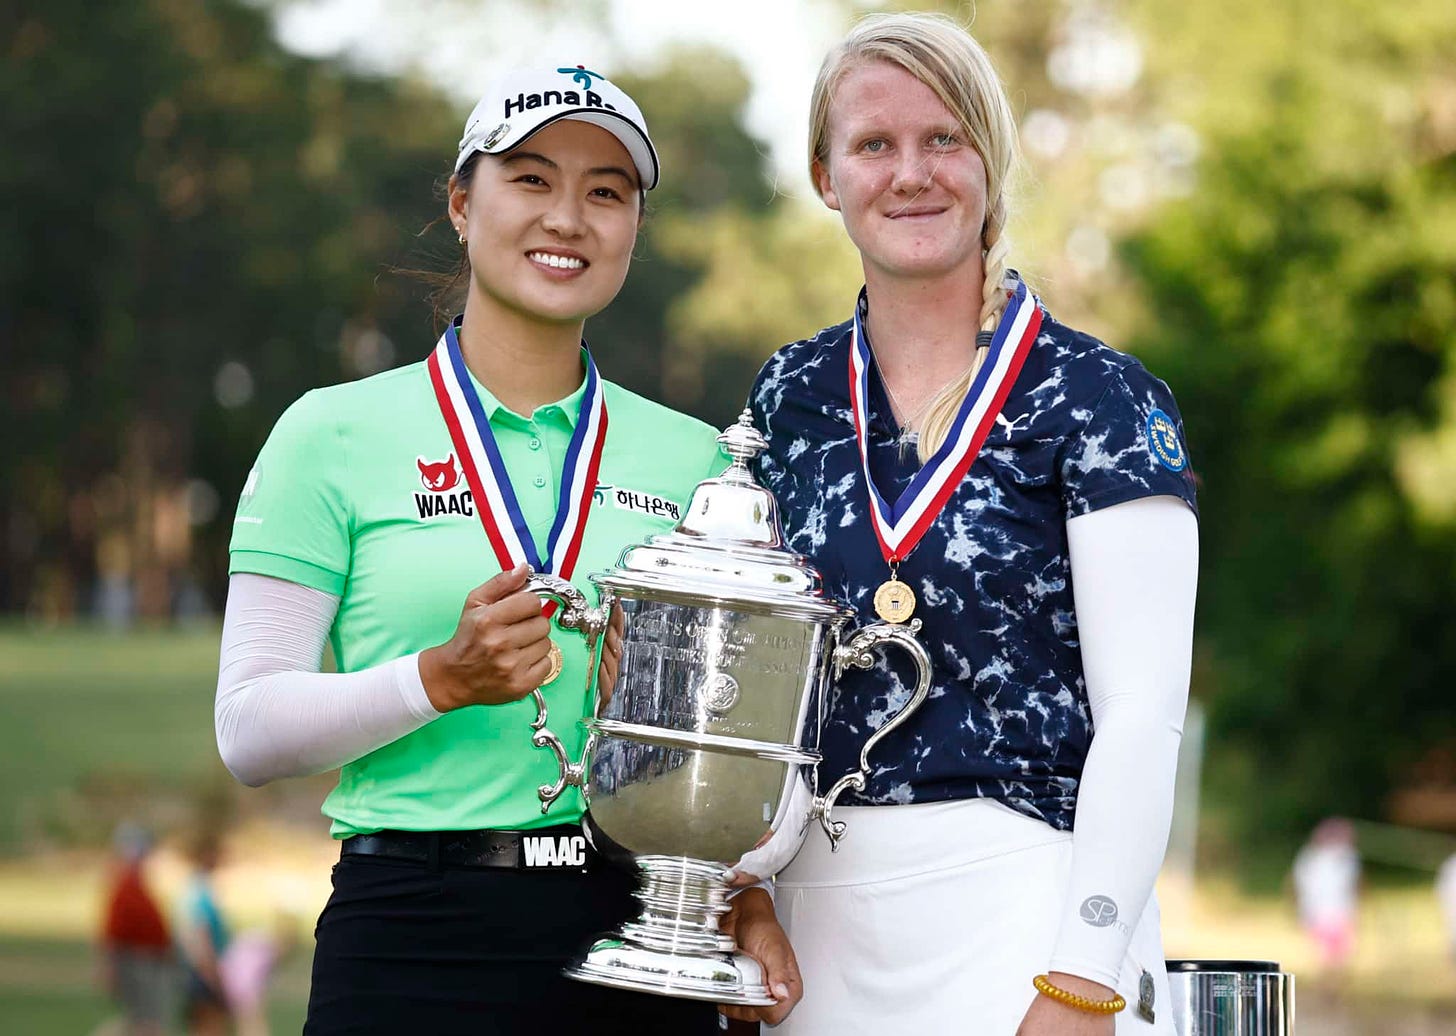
[(422, 949)]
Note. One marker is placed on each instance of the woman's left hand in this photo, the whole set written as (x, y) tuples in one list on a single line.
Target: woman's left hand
[(1047, 1017)]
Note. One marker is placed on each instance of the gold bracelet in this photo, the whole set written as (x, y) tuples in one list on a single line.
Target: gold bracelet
[(1045, 988)]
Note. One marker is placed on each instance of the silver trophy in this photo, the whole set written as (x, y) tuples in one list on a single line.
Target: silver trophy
[(1231, 998), (705, 750)]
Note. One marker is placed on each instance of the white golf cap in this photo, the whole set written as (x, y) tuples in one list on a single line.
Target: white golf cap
[(520, 103)]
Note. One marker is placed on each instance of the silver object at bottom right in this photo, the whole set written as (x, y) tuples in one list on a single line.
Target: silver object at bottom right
[(1231, 998)]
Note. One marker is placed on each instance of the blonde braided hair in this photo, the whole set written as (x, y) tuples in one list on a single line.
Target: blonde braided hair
[(938, 51)]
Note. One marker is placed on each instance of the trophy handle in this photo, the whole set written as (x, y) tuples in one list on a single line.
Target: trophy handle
[(575, 614), (856, 652)]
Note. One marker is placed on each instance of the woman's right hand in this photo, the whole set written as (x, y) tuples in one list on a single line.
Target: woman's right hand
[(499, 651), (752, 924)]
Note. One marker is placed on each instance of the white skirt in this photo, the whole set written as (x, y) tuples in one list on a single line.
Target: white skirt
[(935, 918)]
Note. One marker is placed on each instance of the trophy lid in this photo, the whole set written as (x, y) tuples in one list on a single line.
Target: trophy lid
[(728, 548)]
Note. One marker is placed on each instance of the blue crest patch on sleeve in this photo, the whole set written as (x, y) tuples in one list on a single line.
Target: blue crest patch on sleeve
[(1164, 442)]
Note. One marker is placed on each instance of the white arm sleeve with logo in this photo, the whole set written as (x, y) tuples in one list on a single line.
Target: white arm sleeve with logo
[(276, 714), (1134, 577)]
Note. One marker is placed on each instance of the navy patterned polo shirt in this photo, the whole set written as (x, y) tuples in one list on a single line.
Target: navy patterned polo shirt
[(1083, 427)]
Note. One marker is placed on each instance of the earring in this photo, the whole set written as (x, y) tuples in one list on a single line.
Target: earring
[(462, 237)]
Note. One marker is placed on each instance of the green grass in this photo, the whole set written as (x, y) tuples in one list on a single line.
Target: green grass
[(95, 724), (50, 1011), (47, 987)]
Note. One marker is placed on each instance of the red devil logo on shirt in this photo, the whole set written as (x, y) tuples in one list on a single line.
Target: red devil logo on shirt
[(440, 476)]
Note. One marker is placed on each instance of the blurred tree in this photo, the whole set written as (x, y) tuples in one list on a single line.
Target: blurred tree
[(198, 220), (1302, 304), (712, 169), (769, 278), (202, 222)]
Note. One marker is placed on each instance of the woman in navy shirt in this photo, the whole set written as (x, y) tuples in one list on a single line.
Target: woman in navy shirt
[(954, 454)]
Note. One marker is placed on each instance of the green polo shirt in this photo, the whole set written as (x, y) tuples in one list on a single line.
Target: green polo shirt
[(358, 493)]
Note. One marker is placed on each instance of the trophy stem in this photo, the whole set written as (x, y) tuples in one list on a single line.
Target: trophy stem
[(675, 947), (682, 900)]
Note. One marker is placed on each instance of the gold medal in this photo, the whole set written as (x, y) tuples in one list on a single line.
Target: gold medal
[(554, 661), (894, 601)]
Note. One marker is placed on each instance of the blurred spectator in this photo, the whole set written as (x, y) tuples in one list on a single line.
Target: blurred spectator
[(247, 967), (202, 939), (138, 970), (1446, 896), (1327, 891)]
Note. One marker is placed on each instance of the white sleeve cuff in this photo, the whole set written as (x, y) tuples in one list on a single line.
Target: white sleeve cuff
[(412, 688), (763, 883)]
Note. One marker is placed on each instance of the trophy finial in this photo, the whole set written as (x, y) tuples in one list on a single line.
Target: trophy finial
[(742, 441)]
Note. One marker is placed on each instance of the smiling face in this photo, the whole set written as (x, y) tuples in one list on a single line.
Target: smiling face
[(898, 168), (550, 225)]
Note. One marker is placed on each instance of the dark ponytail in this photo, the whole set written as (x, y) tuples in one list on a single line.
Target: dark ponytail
[(448, 288)]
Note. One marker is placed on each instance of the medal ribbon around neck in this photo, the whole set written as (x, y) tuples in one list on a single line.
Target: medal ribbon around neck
[(900, 527), (490, 484)]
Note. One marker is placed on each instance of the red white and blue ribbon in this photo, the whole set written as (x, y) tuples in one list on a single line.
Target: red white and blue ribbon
[(900, 527), (485, 470)]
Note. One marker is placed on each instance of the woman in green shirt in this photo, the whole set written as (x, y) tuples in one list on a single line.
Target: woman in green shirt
[(376, 508)]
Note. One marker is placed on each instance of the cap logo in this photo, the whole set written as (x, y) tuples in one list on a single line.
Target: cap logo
[(524, 102), (581, 75), (495, 136)]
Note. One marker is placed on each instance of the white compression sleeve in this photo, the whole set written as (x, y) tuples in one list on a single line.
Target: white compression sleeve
[(1134, 576), (276, 714)]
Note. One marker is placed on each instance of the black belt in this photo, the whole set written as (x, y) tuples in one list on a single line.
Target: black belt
[(560, 848)]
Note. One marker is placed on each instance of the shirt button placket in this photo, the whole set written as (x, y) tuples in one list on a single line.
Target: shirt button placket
[(534, 444)]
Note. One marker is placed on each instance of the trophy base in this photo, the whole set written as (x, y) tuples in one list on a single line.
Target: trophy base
[(724, 978)]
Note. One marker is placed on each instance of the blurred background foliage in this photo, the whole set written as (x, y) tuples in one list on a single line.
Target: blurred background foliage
[(1301, 301), (1258, 199)]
